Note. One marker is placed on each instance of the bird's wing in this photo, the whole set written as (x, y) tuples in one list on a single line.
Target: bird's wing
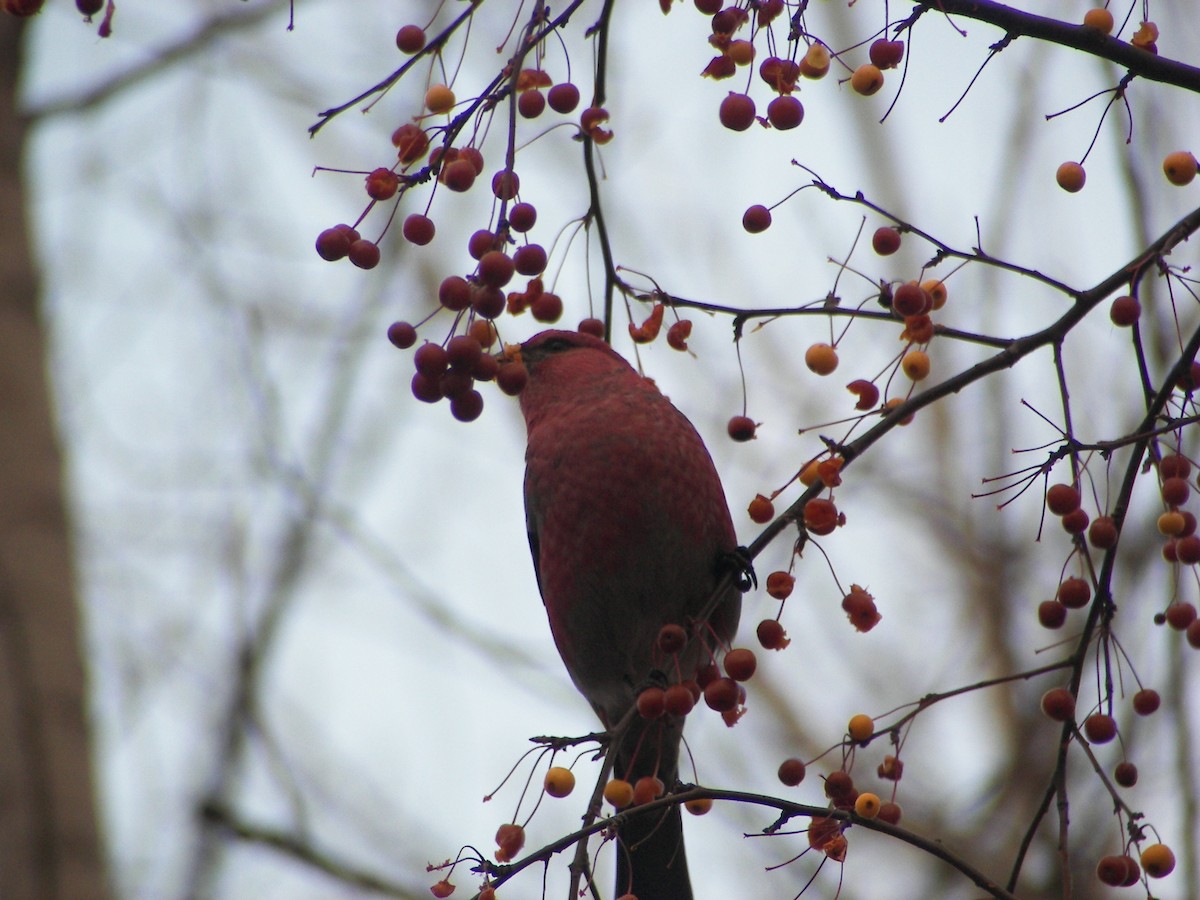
[(531, 529)]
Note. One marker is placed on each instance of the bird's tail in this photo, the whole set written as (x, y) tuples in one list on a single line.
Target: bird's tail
[(651, 863)]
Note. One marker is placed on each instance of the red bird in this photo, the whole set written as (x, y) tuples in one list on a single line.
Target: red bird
[(630, 531)]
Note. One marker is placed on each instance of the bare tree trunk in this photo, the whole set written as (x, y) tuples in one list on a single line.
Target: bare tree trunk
[(50, 844)]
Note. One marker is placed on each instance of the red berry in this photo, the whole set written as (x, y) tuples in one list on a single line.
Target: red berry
[(885, 241), (496, 268), (333, 244), (672, 639), (1062, 499), (1075, 522), (679, 700), (910, 299), (1103, 532), (402, 334), (531, 104), (458, 176), (563, 98), (410, 39), (821, 516), (426, 388), (886, 54), (594, 327), (505, 184), (1174, 466), (1125, 311), (546, 307), (512, 378), (761, 510), (737, 111), (522, 216), (431, 359), (1146, 702), (411, 142), (721, 694), (454, 293), (651, 703), (771, 635), (1187, 550), (382, 184), (364, 254), (1180, 614), (1052, 614), (741, 428), (530, 259), (1074, 593), (1058, 704), (466, 407), (1100, 728), (1125, 774), (463, 352), (756, 219), (791, 772), (780, 585), (785, 112), (1175, 491), (1192, 633), (418, 229), (480, 243), (740, 664)]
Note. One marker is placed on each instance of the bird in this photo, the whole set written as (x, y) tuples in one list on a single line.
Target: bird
[(629, 530)]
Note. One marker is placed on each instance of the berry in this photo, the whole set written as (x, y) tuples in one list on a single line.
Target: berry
[(454, 293), (1172, 523), (1175, 491), (506, 184), (1146, 702), (915, 365), (563, 98), (646, 789), (89, 7), (815, 62), (885, 241), (756, 219), (531, 104), (522, 217), (1100, 728), (333, 243), (699, 807), (418, 229), (741, 52), (1193, 634), (821, 516), (771, 635), (382, 184), (785, 113), (721, 695), (1174, 466), (619, 793), (509, 841), (1070, 177), (466, 407), (1100, 19), (442, 889), (496, 268), (651, 703), (1158, 860), (737, 112), (890, 813), (1103, 533), (1125, 774), (860, 728), (410, 39), (439, 99), (859, 607), (530, 260), (364, 254), (426, 388), (886, 54), (480, 243), (1058, 704), (1074, 593), (740, 664), (866, 80), (1179, 167), (672, 639), (839, 785), (761, 510), (431, 359), (463, 352), (910, 299), (1125, 311), (547, 307), (512, 378), (402, 334), (1051, 614), (867, 393), (678, 700), (1062, 499), (742, 429), (1180, 614), (1075, 522), (458, 175), (411, 142), (821, 359), (867, 805), (678, 334), (780, 584)]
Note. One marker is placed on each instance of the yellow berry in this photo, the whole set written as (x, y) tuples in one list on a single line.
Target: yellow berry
[(559, 781), (619, 793), (867, 79), (867, 805), (1070, 177), (915, 364), (811, 473), (1158, 860), (1172, 523), (700, 806), (1180, 167), (861, 727), (1100, 19), (741, 52), (439, 99), (892, 404), (936, 291), (821, 358)]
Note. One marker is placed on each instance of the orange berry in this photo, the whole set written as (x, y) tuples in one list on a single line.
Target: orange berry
[(815, 62), (891, 404), (646, 789), (860, 728), (1100, 19), (651, 703), (619, 793), (559, 781), (867, 805), (699, 807), (1158, 860), (915, 365), (821, 359), (1070, 177), (761, 510), (1172, 523), (867, 79), (937, 292), (1180, 167), (821, 516), (741, 52), (509, 841), (439, 99)]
